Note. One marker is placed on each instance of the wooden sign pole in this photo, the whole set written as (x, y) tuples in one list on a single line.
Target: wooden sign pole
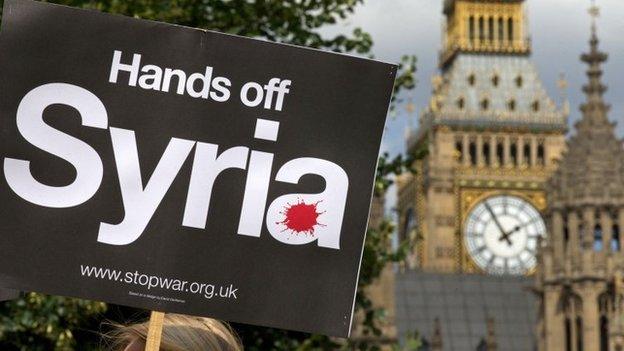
[(154, 332)]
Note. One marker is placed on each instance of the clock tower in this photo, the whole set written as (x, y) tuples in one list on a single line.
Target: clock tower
[(493, 137)]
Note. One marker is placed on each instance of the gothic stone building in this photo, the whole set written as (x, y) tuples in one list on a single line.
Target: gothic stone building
[(474, 207), (579, 280)]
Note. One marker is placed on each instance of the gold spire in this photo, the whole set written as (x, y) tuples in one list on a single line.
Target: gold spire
[(562, 84), (594, 12)]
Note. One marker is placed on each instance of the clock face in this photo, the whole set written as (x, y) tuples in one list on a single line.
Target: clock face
[(501, 235)]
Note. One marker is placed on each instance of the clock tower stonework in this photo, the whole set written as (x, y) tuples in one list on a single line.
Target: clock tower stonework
[(492, 132)]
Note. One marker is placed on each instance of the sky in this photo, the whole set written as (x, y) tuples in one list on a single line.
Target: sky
[(559, 30)]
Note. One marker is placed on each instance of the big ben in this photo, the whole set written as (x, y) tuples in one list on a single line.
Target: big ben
[(493, 137)]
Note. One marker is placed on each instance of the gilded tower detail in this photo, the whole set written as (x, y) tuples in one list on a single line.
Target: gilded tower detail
[(493, 137), (581, 266)]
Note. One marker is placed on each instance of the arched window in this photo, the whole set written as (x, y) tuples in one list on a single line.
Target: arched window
[(472, 79), (473, 153), (481, 29), (568, 334), (526, 153), (615, 238), (604, 304), (540, 155), (579, 333), (598, 245), (491, 29), (461, 103), (510, 30), (604, 333), (459, 147), (495, 80), (501, 31), (486, 152), (485, 104), (519, 81), (573, 328), (514, 153), (471, 29), (500, 152), (511, 105), (535, 106)]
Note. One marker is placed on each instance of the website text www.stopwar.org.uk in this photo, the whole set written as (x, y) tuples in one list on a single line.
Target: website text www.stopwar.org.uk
[(139, 279)]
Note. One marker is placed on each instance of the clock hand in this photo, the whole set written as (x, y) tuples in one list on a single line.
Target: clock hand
[(504, 235), (515, 229), (500, 227)]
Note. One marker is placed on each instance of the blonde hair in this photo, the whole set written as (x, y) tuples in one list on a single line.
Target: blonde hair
[(180, 333)]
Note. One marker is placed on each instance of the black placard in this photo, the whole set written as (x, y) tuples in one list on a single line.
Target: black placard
[(183, 170)]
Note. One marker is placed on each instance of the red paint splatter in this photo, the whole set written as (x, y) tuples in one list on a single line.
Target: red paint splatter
[(301, 218)]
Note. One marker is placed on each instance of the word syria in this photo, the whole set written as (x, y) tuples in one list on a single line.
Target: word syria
[(140, 202)]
